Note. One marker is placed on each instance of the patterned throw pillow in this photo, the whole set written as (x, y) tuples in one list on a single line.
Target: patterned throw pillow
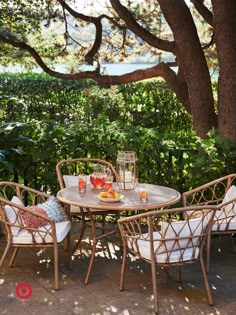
[(32, 221), (54, 209)]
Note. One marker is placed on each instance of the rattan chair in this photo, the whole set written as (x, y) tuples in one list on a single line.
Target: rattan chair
[(67, 173), (159, 239), (222, 193), (18, 204)]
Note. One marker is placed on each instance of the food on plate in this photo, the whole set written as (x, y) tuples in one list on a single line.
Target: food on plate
[(111, 193)]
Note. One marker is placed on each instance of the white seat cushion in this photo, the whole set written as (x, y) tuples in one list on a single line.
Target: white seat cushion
[(225, 224), (167, 257), (178, 256), (24, 237)]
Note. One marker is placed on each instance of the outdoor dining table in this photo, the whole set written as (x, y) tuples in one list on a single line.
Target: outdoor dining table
[(89, 203)]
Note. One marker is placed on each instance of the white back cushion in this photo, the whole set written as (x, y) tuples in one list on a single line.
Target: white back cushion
[(188, 231), (12, 215), (231, 194), (72, 180), (229, 209)]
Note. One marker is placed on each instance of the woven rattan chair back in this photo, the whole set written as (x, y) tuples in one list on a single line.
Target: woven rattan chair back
[(222, 193), (160, 239), (19, 235)]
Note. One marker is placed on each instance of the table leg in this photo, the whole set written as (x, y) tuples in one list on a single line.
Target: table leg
[(95, 238), (106, 232), (84, 225)]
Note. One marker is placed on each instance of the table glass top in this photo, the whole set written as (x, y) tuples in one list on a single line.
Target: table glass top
[(158, 196)]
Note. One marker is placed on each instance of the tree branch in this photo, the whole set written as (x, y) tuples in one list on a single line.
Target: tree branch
[(178, 84), (97, 21), (203, 11), (161, 70), (131, 23), (89, 57)]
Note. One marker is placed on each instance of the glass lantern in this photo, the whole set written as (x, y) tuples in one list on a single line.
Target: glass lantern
[(127, 169)]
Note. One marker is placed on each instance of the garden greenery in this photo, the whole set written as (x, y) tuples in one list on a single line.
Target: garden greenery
[(44, 120)]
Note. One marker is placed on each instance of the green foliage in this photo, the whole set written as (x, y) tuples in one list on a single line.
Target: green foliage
[(12, 142), (39, 97), (61, 119)]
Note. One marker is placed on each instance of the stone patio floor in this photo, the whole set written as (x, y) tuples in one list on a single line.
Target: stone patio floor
[(101, 296)]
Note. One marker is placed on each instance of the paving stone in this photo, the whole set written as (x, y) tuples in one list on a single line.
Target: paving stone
[(101, 296)]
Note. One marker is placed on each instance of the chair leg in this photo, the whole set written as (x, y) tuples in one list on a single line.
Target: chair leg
[(210, 301), (233, 243), (13, 257), (81, 236), (167, 273), (68, 251), (123, 267), (95, 239), (154, 286), (180, 273), (65, 244), (103, 223), (56, 273), (5, 253), (208, 252)]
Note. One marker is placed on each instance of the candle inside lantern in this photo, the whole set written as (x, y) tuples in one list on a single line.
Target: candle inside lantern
[(128, 177)]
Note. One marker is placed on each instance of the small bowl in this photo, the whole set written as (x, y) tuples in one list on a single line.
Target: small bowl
[(110, 199)]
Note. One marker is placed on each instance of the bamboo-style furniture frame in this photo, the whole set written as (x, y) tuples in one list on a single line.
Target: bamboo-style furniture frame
[(74, 167), (214, 193), (29, 197), (88, 203), (168, 245)]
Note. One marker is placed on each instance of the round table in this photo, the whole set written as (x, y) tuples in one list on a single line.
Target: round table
[(158, 197), (89, 204)]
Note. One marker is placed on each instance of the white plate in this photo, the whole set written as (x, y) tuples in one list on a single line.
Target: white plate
[(110, 199)]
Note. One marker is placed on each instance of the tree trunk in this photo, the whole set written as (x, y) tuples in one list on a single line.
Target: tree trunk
[(193, 63), (225, 28)]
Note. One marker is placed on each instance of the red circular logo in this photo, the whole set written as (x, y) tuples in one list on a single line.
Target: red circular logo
[(24, 290)]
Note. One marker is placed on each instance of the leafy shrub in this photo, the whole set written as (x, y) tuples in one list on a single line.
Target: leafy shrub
[(60, 119)]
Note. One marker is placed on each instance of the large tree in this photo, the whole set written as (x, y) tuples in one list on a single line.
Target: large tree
[(166, 31)]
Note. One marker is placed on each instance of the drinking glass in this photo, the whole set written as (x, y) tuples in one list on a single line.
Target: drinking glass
[(98, 176), (108, 181), (82, 183), (143, 194)]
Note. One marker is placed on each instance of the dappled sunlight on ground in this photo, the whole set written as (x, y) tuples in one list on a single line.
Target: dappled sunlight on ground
[(101, 296)]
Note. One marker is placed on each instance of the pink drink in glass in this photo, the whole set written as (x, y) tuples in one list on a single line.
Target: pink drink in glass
[(108, 185)]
